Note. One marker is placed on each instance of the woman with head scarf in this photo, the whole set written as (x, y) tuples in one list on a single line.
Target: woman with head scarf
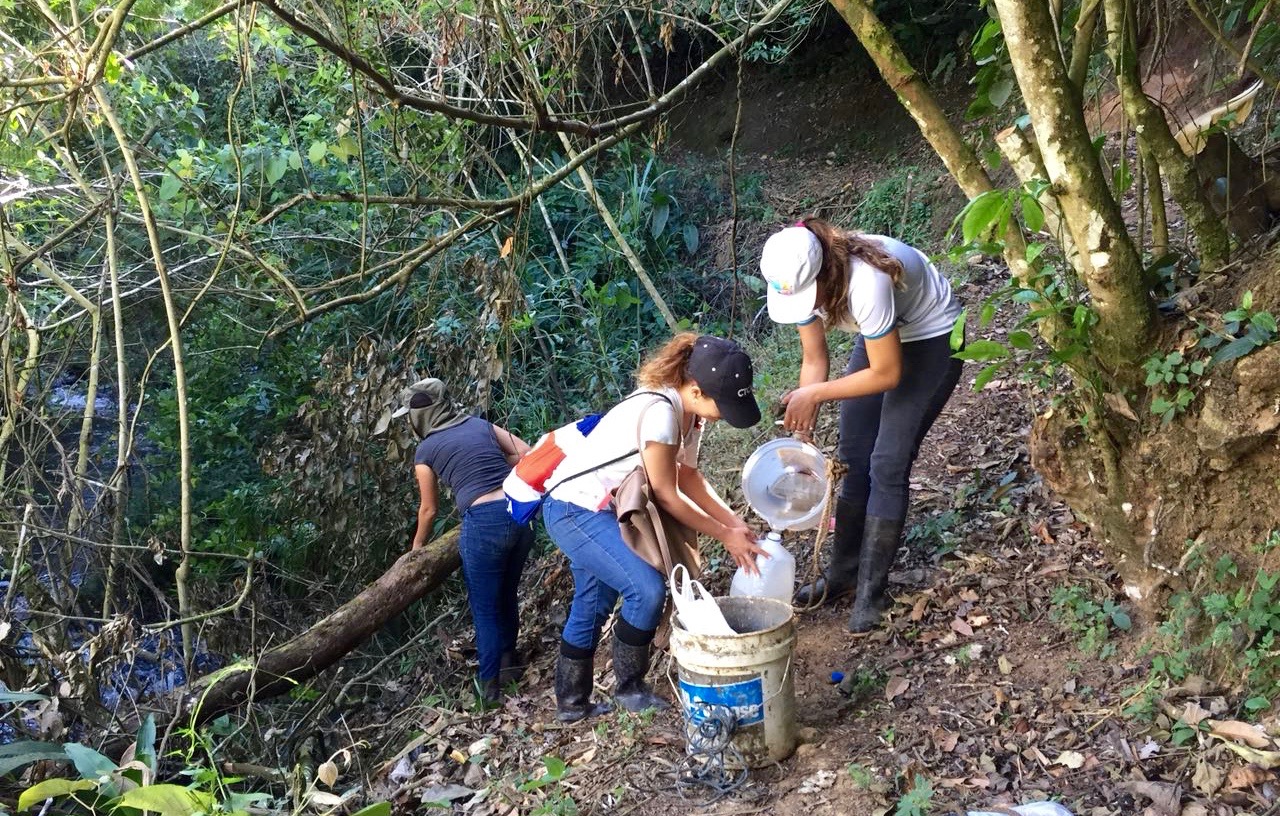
[(472, 457), (900, 374), (688, 383)]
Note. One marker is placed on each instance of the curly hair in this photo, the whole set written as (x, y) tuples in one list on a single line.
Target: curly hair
[(668, 366), (838, 246)]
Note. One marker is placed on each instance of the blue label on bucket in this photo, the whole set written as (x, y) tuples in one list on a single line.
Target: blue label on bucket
[(745, 699)]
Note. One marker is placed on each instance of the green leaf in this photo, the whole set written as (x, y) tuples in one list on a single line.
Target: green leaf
[(169, 186), (295, 160), (20, 697), (146, 741), (167, 800), (1120, 619), (987, 314), (1246, 301), (982, 213), (111, 71), (88, 762), (316, 152), (661, 212), (51, 789), (1234, 350), (1032, 216), (1258, 703), (1000, 90), (1122, 178), (957, 331), (981, 350), (1265, 321), (690, 233), (985, 376), (1034, 251), (17, 754), (276, 167), (556, 767), (376, 809), (1021, 340)]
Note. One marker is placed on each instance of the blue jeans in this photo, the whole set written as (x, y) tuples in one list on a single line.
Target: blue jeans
[(880, 434), (604, 568), (494, 549)]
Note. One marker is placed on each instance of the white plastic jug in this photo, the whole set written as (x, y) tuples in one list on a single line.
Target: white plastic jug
[(777, 573)]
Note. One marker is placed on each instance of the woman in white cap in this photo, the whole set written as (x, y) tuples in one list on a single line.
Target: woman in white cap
[(472, 457), (690, 381), (899, 377)]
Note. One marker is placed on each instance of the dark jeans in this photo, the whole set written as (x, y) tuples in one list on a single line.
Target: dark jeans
[(604, 567), (494, 549), (880, 435)]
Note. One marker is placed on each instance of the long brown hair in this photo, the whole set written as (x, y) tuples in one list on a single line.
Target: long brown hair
[(668, 366), (838, 246)]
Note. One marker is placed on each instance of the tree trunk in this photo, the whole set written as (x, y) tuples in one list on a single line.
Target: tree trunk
[(1024, 157), (1154, 134), (914, 94), (1082, 45), (410, 578), (1109, 262)]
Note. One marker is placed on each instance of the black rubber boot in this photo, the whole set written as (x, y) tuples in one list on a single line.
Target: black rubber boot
[(879, 545), (490, 693), (510, 667), (630, 665), (841, 575), (573, 689)]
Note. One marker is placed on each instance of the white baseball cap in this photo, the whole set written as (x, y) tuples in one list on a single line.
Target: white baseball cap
[(790, 263)]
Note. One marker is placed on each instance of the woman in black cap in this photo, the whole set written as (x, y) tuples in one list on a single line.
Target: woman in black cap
[(472, 457), (900, 374), (690, 381)]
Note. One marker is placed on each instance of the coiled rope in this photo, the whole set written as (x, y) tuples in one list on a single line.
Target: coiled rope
[(712, 761)]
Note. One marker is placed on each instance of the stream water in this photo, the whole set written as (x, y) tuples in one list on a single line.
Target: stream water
[(142, 664)]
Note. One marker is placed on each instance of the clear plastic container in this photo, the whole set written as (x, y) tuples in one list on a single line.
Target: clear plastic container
[(785, 482), (777, 573)]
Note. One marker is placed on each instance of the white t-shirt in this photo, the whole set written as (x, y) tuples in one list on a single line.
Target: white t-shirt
[(654, 418), (923, 307)]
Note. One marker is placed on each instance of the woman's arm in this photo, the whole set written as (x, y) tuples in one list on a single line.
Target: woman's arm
[(512, 446), (815, 361), (428, 504), (883, 373), (692, 484), (666, 483)]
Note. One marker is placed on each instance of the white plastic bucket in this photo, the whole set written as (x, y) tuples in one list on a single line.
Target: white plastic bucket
[(750, 672)]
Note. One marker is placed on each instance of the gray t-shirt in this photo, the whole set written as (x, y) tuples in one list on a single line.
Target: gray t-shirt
[(922, 308), (467, 458)]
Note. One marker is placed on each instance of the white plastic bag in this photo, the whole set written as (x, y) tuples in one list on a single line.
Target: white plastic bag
[(699, 613), (1030, 809)]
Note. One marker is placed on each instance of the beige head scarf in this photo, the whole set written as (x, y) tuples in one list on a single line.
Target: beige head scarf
[(429, 408)]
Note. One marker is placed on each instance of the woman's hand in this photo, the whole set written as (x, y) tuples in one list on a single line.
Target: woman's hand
[(802, 408), (740, 542)]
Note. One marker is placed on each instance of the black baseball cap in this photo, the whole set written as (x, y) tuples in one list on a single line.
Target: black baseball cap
[(723, 371)]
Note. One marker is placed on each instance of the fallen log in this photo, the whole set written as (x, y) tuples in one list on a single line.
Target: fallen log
[(277, 670)]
